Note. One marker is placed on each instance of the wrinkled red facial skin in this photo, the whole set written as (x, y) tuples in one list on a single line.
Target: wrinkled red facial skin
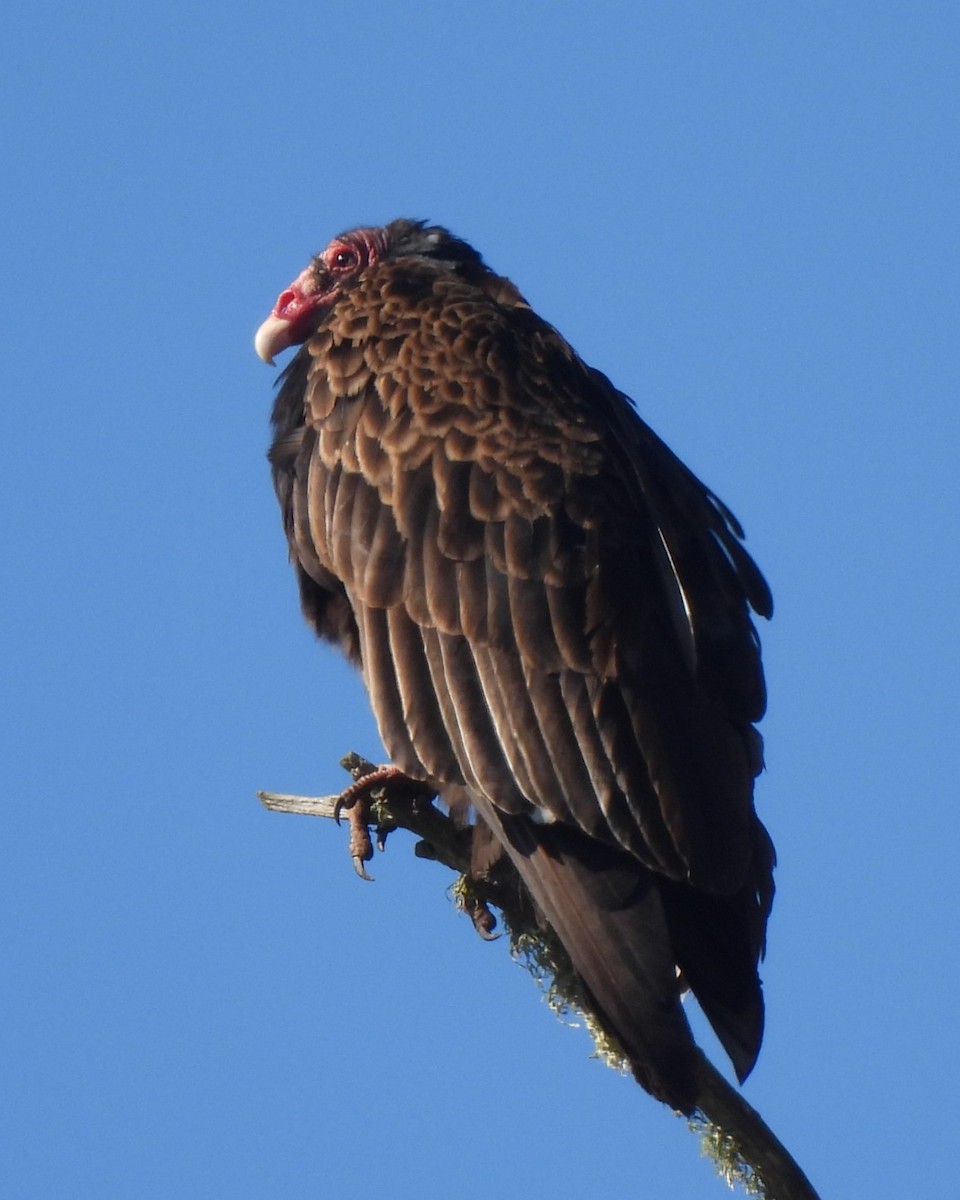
[(369, 245), (296, 303), (317, 286), (299, 307)]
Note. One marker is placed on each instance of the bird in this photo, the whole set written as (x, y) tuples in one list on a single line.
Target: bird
[(553, 618)]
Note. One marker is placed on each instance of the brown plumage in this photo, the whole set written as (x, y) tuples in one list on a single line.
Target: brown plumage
[(551, 614)]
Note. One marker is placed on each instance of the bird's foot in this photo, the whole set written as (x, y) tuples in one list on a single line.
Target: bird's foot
[(484, 922), (355, 801), (471, 896)]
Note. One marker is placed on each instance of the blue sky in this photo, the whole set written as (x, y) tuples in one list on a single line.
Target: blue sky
[(746, 215)]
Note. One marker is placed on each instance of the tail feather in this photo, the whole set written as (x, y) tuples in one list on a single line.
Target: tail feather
[(711, 940), (607, 911), (636, 940)]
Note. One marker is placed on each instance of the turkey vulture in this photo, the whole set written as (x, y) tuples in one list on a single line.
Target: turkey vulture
[(552, 618)]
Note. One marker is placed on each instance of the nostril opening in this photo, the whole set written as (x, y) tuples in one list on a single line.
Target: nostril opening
[(284, 301)]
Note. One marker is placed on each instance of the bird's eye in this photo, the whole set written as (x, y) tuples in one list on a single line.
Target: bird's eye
[(345, 259)]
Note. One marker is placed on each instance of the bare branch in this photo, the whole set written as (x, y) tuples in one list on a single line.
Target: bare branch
[(305, 806)]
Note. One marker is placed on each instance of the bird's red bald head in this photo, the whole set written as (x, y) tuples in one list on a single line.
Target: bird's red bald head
[(300, 306)]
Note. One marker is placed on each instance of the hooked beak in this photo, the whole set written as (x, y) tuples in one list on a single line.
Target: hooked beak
[(273, 336), (293, 317)]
